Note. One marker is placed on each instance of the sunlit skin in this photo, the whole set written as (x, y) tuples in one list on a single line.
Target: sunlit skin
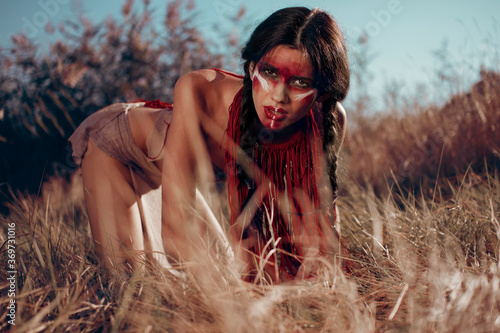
[(143, 208), (283, 90)]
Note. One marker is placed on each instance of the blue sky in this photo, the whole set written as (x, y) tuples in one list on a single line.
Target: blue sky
[(403, 33)]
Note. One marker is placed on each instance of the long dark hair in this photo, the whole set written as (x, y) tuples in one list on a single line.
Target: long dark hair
[(315, 32)]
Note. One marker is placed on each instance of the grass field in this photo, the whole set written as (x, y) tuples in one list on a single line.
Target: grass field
[(423, 266), (420, 214)]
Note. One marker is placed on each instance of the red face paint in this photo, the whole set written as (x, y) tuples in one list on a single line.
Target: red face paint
[(283, 90)]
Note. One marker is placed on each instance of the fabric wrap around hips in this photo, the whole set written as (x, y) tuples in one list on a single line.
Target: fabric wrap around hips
[(109, 129)]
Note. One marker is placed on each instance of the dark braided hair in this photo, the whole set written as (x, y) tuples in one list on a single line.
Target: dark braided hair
[(315, 32)]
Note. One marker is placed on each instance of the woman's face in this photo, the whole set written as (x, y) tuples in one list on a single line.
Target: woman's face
[(283, 91)]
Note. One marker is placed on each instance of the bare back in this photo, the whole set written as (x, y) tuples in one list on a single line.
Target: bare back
[(215, 90)]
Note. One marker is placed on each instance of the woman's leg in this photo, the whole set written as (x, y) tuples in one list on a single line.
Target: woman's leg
[(111, 199), (112, 208)]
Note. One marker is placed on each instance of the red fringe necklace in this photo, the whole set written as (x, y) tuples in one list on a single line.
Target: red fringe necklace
[(278, 212)]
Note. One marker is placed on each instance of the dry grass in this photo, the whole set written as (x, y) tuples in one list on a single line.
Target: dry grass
[(441, 259), (426, 266), (61, 287)]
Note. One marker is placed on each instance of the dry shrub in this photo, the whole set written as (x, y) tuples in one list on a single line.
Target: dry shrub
[(412, 148)]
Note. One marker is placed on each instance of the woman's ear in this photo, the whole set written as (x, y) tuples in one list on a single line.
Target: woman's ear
[(251, 67)]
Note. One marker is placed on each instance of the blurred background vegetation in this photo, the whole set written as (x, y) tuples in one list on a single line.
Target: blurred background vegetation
[(45, 95)]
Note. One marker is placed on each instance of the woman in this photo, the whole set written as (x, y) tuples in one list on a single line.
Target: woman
[(275, 132)]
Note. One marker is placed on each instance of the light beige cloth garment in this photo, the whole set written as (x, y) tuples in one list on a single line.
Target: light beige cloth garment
[(110, 130)]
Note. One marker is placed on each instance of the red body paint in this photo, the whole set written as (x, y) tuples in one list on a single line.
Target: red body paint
[(283, 89)]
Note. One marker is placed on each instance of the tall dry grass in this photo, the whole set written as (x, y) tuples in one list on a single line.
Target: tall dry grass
[(427, 266)]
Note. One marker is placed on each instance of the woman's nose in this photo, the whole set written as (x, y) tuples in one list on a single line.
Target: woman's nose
[(280, 94)]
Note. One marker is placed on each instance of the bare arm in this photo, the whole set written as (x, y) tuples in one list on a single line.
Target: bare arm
[(185, 148)]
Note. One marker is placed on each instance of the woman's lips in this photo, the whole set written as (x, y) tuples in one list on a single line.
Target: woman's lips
[(275, 113)]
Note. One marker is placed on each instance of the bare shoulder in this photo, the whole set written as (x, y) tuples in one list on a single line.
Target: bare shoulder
[(213, 75), (201, 100), (207, 80), (212, 89), (341, 115), (341, 119)]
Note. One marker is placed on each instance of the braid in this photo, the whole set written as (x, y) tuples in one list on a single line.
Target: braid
[(330, 133), (247, 139)]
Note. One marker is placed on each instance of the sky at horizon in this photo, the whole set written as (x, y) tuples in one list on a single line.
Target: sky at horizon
[(403, 34)]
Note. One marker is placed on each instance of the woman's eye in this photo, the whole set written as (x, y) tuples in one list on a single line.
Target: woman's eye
[(269, 72), (302, 84)]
